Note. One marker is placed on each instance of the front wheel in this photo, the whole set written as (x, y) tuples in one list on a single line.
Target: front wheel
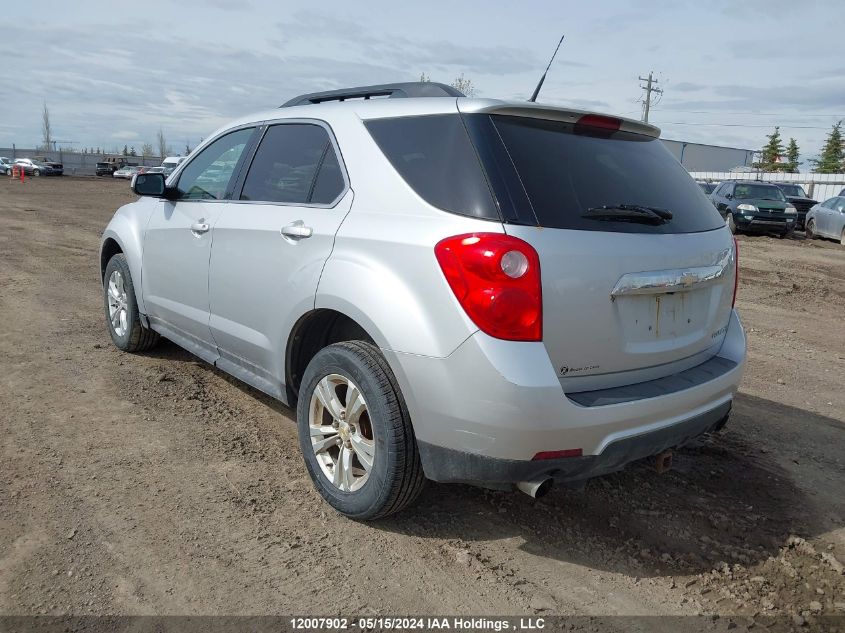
[(731, 224), (122, 317), (810, 230), (355, 432), (842, 237), (36, 172)]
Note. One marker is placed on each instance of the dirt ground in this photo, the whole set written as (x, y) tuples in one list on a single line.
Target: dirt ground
[(154, 484)]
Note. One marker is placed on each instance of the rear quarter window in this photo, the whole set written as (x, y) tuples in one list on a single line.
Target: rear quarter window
[(435, 156), (565, 173)]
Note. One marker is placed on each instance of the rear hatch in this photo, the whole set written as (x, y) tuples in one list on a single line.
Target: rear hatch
[(629, 294)]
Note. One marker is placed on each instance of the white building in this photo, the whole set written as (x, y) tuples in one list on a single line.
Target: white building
[(699, 157)]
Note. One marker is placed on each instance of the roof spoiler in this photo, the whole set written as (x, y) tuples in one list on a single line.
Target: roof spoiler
[(407, 89)]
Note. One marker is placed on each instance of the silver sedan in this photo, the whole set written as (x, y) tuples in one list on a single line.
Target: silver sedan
[(827, 219)]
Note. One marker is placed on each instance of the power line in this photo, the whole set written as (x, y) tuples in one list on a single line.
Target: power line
[(788, 127), (650, 87), (747, 113)]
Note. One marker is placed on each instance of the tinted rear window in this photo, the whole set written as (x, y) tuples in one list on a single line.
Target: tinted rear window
[(436, 158), (565, 173)]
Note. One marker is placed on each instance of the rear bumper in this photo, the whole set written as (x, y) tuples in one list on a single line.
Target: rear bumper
[(449, 465), (482, 413)]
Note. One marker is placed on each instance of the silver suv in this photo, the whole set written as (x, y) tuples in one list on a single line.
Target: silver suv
[(455, 289)]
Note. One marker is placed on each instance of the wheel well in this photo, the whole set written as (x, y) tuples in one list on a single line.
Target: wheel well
[(313, 332), (110, 249)]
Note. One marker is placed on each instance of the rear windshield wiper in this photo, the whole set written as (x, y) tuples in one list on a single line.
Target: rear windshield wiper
[(628, 213)]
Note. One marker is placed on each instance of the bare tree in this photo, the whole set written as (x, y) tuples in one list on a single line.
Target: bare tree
[(464, 84), (146, 150), (162, 143), (45, 128)]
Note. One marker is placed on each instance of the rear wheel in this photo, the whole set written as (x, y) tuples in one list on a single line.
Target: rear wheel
[(731, 224), (122, 317), (36, 172), (355, 432), (842, 238), (810, 230)]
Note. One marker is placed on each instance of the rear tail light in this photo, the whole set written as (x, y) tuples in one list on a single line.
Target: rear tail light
[(496, 279), (736, 271)]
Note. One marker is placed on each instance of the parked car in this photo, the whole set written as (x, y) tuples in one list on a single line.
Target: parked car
[(32, 167), (827, 219), (105, 169), (754, 206), (706, 187), (170, 163), (126, 172), (56, 168), (471, 314), (5, 166), (798, 198), (154, 170)]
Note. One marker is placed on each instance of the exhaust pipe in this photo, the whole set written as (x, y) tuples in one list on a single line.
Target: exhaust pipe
[(536, 488), (663, 462)]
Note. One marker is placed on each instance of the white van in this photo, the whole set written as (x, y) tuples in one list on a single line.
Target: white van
[(170, 163)]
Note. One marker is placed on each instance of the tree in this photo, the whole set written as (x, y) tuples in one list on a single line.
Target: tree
[(771, 152), (792, 155), (132, 151), (146, 150), (464, 84), (832, 157), (46, 131), (125, 150), (187, 149), (162, 144)]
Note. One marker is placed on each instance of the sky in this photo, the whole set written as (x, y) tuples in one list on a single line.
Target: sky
[(115, 73)]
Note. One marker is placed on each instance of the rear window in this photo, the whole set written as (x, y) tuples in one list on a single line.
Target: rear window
[(564, 174), (435, 157)]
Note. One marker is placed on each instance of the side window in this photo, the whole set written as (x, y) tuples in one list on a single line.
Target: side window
[(208, 174), (295, 164)]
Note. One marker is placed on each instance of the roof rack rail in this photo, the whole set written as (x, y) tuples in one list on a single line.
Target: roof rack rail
[(406, 89)]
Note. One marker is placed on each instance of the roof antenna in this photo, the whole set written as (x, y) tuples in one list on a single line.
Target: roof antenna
[(543, 78)]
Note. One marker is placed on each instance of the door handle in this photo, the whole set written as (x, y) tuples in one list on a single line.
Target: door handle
[(297, 230), (200, 227)]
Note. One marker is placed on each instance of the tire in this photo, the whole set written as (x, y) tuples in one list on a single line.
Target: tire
[(810, 230), (382, 432), (842, 238), (128, 333), (36, 172), (731, 224)]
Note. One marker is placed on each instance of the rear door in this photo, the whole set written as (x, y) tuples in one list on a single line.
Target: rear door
[(619, 295), (177, 245), (270, 244)]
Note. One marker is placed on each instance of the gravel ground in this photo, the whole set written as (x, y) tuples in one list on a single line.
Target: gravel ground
[(154, 484)]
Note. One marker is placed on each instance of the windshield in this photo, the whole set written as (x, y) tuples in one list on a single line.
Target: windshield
[(796, 191), (566, 172), (758, 192)]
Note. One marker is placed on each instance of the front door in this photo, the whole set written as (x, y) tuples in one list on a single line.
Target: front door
[(269, 249), (177, 245)]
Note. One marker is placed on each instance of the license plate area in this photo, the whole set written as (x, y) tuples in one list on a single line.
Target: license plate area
[(663, 320)]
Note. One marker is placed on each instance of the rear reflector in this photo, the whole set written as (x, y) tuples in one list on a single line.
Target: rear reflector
[(569, 452)]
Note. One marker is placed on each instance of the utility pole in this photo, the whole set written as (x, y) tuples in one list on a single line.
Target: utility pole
[(650, 87)]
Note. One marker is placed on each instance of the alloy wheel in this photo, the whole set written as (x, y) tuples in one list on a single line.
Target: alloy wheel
[(341, 432), (118, 308)]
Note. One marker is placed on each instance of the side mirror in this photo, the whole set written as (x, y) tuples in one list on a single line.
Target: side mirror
[(729, 196), (148, 184)]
